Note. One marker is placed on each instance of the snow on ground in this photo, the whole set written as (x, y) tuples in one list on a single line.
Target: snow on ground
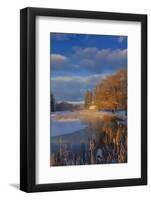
[(120, 114), (62, 113)]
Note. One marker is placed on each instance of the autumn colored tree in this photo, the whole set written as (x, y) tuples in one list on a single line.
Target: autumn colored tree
[(111, 93)]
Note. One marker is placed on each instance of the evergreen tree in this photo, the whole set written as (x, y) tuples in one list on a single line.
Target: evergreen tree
[(52, 103), (88, 99)]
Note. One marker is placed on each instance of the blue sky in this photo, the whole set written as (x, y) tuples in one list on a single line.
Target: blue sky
[(80, 61)]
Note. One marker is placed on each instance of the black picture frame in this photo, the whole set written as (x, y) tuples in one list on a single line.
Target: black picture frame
[(28, 98)]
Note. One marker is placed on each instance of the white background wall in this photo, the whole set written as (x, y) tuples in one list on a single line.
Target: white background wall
[(9, 98)]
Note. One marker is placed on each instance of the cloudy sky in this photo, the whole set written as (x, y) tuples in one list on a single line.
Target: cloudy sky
[(79, 61)]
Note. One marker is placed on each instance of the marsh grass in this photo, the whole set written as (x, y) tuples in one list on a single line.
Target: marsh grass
[(103, 141)]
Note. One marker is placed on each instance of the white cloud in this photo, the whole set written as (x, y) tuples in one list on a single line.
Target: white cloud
[(97, 61), (58, 58), (85, 52), (89, 60), (112, 55), (82, 79), (62, 64), (72, 88), (87, 63)]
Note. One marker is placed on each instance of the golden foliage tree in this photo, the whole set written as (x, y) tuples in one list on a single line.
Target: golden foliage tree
[(111, 93)]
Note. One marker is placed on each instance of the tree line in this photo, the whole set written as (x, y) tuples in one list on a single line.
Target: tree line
[(110, 93), (62, 106)]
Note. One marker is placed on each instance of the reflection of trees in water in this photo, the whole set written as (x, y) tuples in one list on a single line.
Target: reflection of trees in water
[(106, 143)]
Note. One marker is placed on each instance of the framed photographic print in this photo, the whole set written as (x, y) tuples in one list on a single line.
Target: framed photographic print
[(83, 95)]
